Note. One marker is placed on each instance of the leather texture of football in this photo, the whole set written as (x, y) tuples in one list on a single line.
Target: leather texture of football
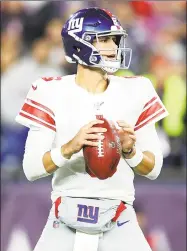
[(102, 161)]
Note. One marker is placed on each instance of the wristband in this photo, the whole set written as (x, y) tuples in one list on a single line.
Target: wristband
[(57, 157), (136, 159)]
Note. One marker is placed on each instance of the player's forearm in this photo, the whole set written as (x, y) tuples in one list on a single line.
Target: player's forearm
[(150, 164), (49, 165), (37, 160), (146, 165), (37, 164), (49, 162)]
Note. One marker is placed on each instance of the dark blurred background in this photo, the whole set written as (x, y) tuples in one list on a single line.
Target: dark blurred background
[(31, 47)]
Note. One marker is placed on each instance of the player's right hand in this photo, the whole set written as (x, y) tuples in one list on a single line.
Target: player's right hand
[(87, 135)]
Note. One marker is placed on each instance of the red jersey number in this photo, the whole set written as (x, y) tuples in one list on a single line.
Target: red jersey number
[(51, 78)]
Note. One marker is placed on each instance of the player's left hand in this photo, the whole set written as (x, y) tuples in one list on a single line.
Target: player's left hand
[(127, 136)]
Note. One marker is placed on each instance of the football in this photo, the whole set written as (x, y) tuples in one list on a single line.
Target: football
[(102, 161)]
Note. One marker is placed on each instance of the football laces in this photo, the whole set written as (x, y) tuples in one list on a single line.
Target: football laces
[(100, 147)]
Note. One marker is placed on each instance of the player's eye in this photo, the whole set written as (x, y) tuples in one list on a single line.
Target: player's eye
[(103, 39), (106, 39)]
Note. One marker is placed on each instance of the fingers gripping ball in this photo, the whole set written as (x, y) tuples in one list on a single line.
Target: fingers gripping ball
[(102, 161)]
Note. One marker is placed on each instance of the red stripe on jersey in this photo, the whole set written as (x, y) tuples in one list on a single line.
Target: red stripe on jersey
[(108, 12), (145, 123), (40, 105), (48, 78), (119, 210), (38, 113), (148, 112), (153, 99), (51, 78), (37, 121), (57, 203)]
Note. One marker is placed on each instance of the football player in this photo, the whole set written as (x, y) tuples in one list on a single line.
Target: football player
[(90, 214)]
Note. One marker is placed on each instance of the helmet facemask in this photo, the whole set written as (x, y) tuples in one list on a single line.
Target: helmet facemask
[(122, 54)]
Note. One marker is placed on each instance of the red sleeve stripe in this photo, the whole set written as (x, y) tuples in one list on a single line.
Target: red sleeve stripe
[(108, 12), (149, 120), (37, 121), (150, 101), (40, 106), (149, 112), (38, 114)]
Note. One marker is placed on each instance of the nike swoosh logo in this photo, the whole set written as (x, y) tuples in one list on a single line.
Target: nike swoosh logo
[(119, 224), (34, 87)]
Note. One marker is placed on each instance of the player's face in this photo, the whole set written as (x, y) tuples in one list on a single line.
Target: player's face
[(106, 45)]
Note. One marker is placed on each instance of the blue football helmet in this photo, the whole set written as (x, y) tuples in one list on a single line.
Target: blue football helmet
[(86, 26)]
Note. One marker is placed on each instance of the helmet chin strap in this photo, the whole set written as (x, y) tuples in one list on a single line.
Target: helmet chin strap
[(110, 66)]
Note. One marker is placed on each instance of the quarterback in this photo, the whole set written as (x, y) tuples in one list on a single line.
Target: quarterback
[(89, 214)]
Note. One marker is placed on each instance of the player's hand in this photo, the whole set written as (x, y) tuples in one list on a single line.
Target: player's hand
[(127, 136), (86, 136)]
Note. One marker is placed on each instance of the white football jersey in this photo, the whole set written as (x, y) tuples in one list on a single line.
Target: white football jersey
[(63, 107)]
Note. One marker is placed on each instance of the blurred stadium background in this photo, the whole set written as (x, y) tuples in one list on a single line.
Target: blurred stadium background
[(31, 47)]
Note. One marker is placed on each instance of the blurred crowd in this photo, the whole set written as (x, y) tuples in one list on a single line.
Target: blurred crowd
[(31, 47)]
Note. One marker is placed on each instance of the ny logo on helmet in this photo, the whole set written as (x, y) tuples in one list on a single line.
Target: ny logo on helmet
[(76, 24)]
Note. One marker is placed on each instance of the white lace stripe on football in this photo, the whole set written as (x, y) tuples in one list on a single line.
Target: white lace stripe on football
[(100, 147)]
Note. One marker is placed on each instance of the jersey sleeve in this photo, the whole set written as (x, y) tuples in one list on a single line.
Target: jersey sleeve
[(37, 109), (153, 108)]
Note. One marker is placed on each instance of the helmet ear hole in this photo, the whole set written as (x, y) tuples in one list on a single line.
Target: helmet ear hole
[(76, 48)]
